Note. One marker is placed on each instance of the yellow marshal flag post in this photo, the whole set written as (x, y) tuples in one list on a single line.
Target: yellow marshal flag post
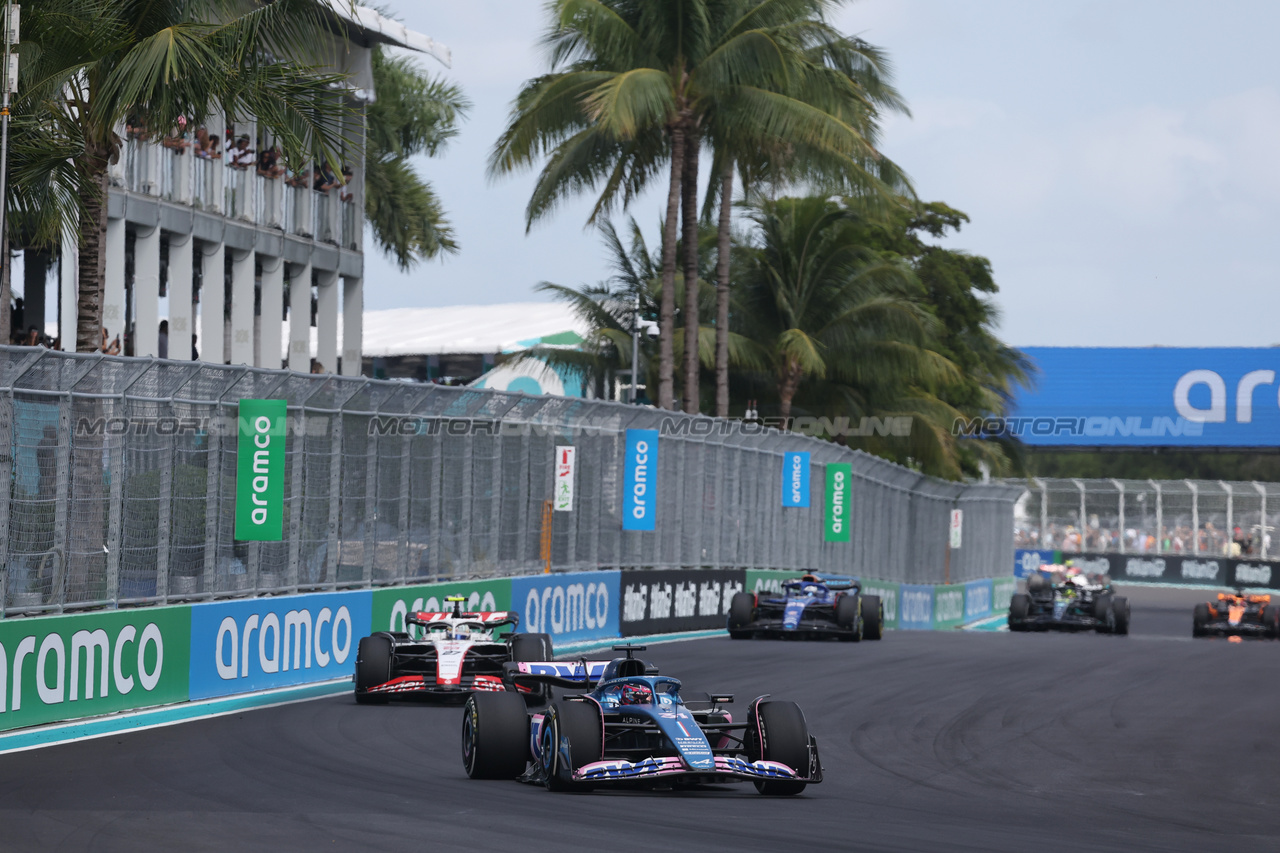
[(260, 471)]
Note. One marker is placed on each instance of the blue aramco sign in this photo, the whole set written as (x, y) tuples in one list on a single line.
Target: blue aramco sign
[(640, 480), (795, 479), (1145, 397)]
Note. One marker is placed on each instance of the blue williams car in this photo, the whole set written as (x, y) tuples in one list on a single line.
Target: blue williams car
[(633, 728), (810, 606)]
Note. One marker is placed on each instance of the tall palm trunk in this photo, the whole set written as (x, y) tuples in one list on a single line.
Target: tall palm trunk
[(6, 287), (722, 291), (667, 311), (788, 384), (93, 257), (689, 205)]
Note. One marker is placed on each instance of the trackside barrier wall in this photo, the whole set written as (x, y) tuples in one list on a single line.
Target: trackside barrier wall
[(68, 667), (1167, 568), (120, 478), (917, 606)]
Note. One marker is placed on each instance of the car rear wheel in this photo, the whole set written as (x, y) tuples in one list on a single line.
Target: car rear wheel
[(1019, 610), (495, 736), (783, 736), (849, 618), (872, 617), (1120, 615), (741, 614), (533, 647), (581, 724), (1200, 620), (1271, 619), (1102, 612), (373, 667)]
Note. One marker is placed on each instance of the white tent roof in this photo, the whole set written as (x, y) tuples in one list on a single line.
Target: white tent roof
[(466, 328)]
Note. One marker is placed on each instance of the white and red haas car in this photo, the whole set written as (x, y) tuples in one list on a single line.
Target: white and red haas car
[(446, 654)]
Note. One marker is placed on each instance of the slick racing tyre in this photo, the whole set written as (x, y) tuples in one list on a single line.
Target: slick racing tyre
[(1102, 612), (373, 667), (581, 724), (783, 736), (872, 617), (1271, 619), (1200, 620), (1120, 615), (1019, 610), (533, 647), (495, 736), (849, 618), (741, 614)]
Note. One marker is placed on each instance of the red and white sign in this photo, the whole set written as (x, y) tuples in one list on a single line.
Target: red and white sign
[(562, 490), (957, 520)]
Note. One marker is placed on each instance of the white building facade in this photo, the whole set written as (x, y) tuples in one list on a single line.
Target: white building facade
[(245, 262)]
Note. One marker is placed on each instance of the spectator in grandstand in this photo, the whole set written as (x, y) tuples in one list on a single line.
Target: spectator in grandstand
[(241, 156), (269, 163)]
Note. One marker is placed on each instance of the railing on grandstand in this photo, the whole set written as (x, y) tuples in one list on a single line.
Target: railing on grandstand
[(350, 225), (122, 472), (1192, 517)]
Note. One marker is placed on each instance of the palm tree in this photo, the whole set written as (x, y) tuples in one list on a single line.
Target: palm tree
[(632, 85), (414, 114), (608, 311), (844, 76), (822, 308), (91, 65)]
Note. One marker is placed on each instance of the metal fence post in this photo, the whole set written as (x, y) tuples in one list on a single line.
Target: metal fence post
[(1195, 515), (330, 573), (1226, 487), (1262, 520), (372, 442), (1159, 516), (1120, 488), (296, 499)]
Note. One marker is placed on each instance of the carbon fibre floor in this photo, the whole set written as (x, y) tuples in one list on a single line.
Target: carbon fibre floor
[(957, 741)]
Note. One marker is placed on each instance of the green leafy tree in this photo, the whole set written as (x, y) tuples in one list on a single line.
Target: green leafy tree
[(632, 87), (88, 66), (414, 114), (839, 326)]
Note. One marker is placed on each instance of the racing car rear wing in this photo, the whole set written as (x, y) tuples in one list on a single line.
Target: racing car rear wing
[(492, 618)]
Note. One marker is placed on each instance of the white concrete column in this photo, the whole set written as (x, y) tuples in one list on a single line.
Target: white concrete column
[(300, 317), (242, 307), (113, 282), (327, 320), (213, 268), (146, 292), (68, 278), (352, 324), (181, 315), (270, 344)]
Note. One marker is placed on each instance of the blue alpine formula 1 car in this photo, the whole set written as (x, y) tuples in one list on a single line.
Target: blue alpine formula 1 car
[(810, 606), (633, 728)]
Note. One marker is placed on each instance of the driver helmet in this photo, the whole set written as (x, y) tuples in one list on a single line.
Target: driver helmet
[(635, 694), (809, 577), (460, 632)]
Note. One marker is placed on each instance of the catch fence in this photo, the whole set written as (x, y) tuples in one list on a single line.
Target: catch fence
[(122, 488), (1193, 517)]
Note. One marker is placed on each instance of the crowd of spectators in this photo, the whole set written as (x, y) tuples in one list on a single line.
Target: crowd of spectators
[(1210, 539)]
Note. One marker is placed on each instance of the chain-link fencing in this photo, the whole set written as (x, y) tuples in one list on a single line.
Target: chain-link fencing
[(122, 489), (1208, 517)]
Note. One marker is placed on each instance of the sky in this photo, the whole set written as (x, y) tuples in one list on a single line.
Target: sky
[(1120, 162)]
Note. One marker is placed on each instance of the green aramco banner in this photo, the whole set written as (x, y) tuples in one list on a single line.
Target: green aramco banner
[(260, 471), (839, 476)]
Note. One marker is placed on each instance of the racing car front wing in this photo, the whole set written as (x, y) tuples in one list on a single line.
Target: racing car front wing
[(728, 768)]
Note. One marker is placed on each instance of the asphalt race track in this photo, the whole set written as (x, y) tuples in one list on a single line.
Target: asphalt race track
[(930, 741)]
